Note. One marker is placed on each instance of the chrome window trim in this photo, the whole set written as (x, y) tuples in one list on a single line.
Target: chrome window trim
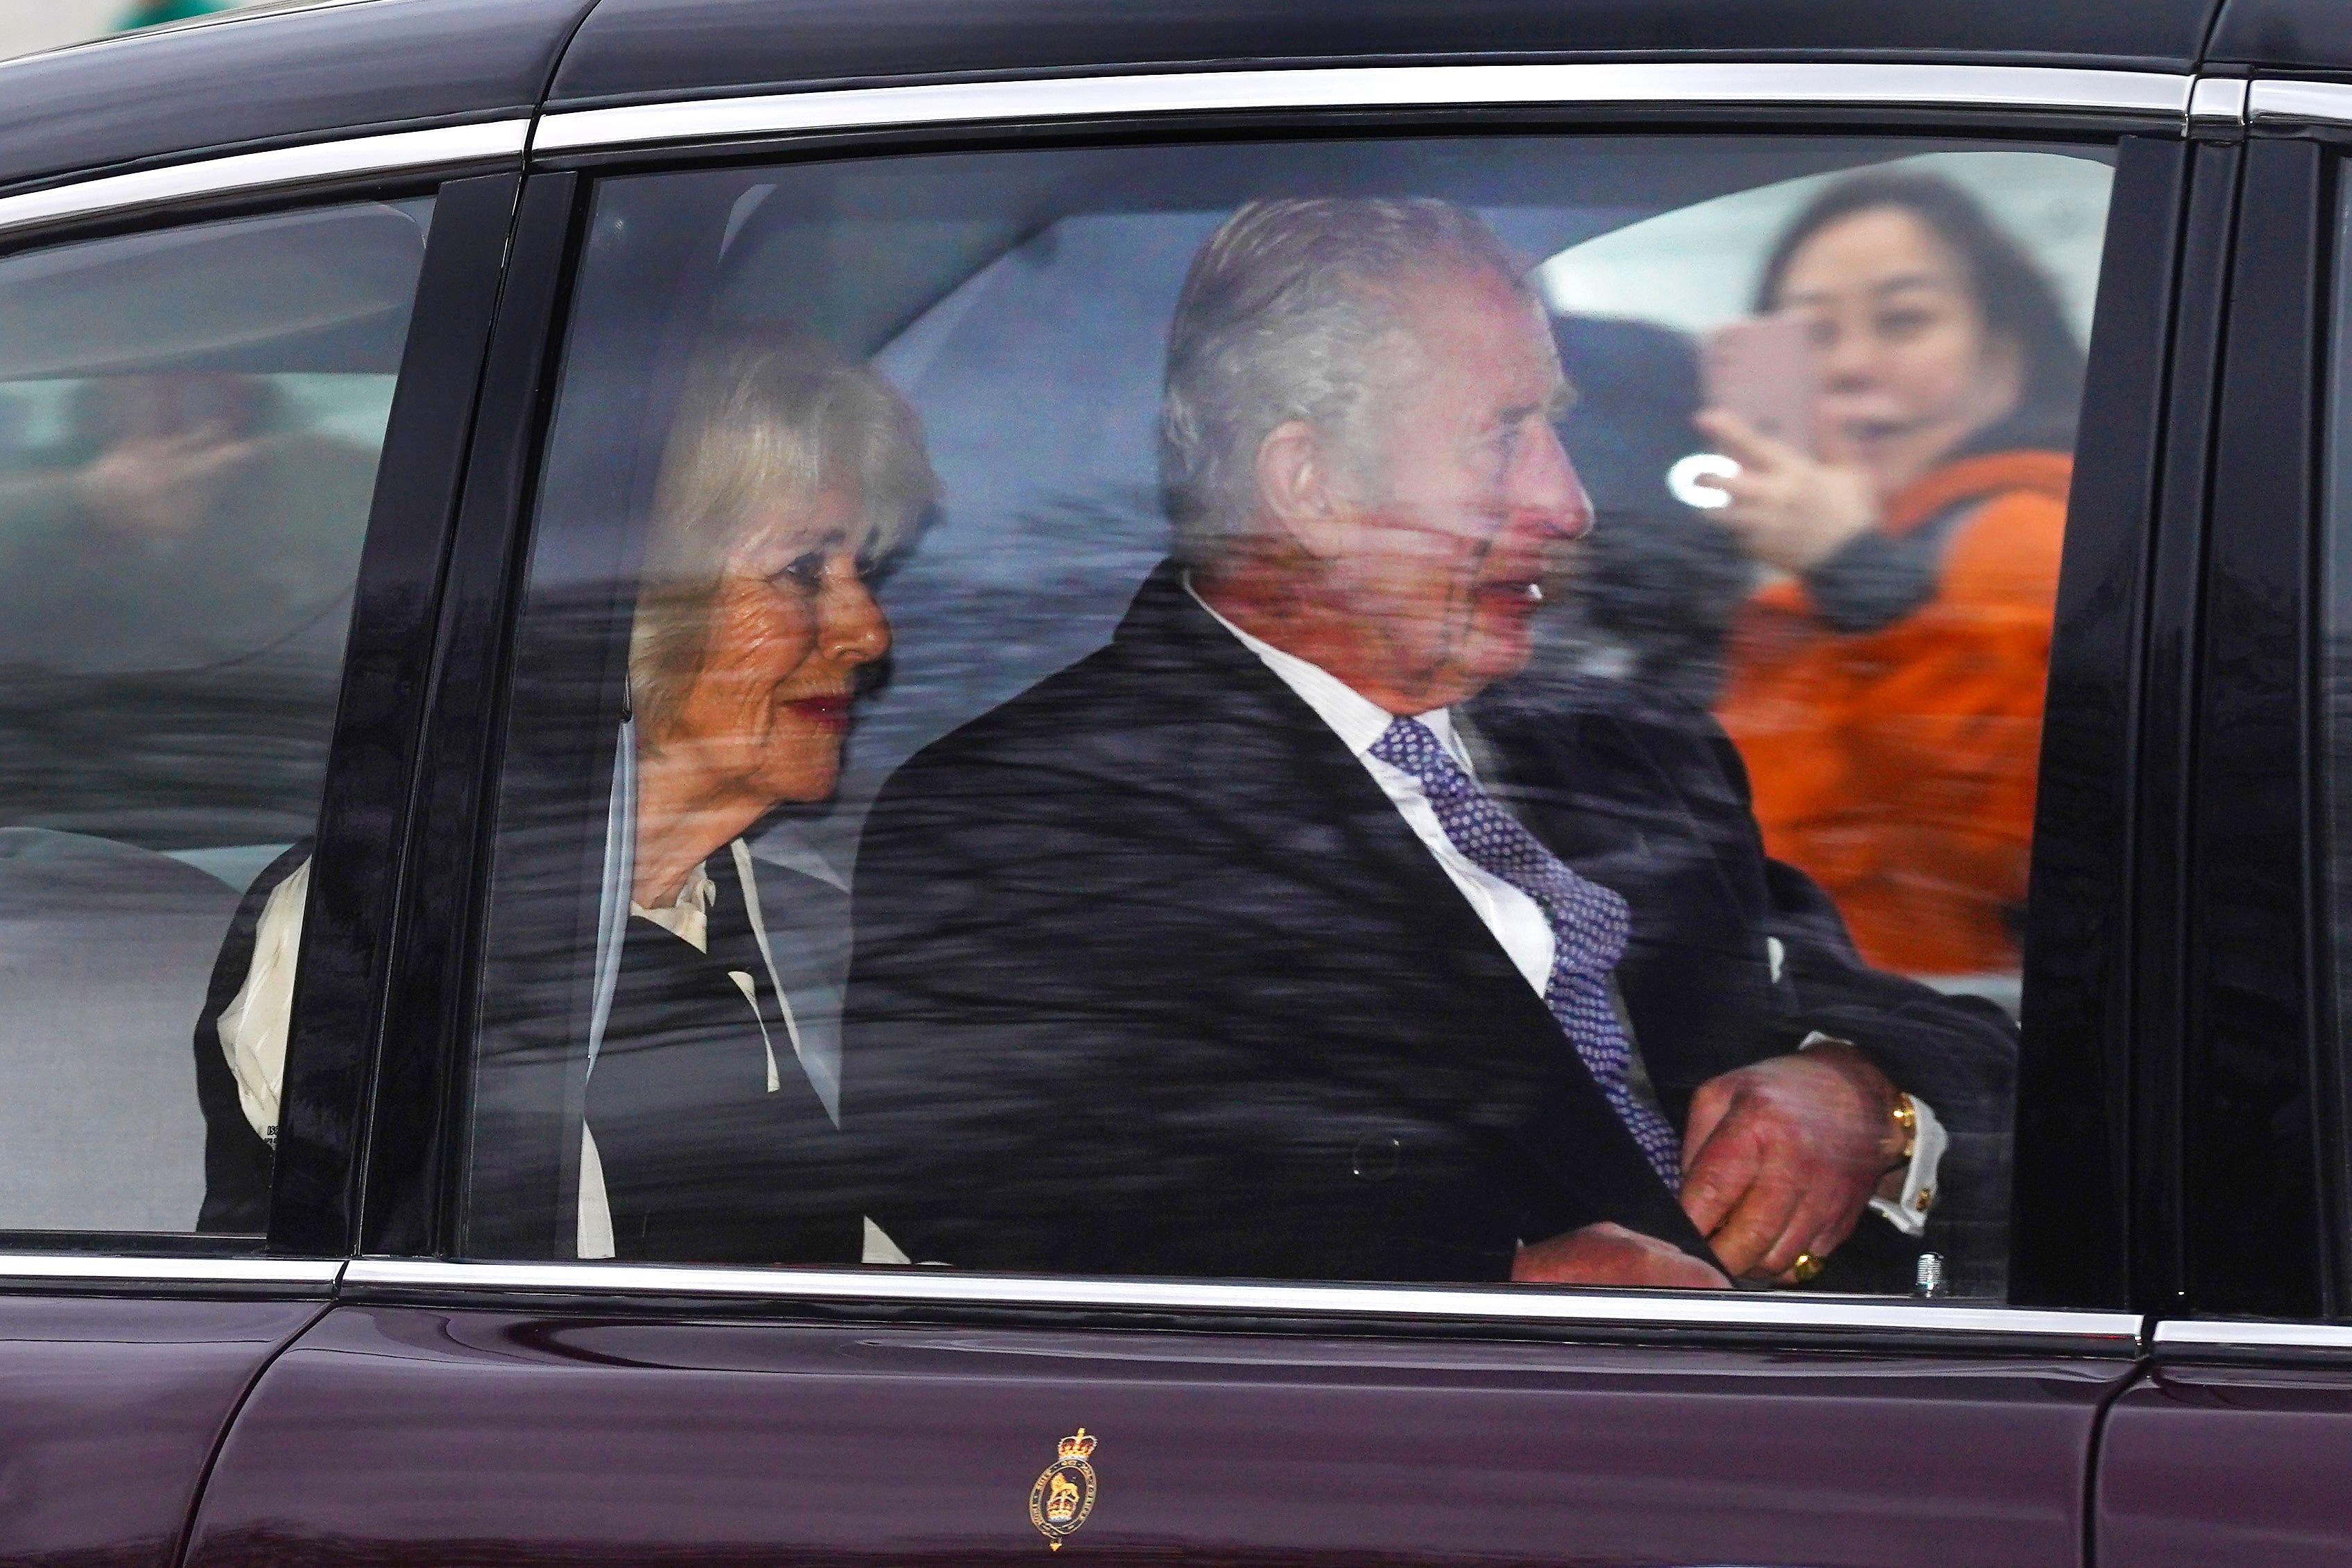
[(2255, 1336), (76, 1268), (389, 153), (1466, 1304), (1349, 86), (2218, 101), (2299, 102)]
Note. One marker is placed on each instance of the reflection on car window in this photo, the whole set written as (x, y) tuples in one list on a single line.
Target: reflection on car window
[(189, 427), (1396, 711)]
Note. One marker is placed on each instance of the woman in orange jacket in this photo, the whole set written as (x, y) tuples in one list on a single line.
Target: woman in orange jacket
[(1885, 683)]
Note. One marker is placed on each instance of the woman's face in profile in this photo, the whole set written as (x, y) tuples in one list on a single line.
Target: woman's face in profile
[(1908, 370), (791, 623)]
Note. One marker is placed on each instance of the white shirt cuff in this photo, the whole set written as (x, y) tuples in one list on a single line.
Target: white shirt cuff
[(1908, 1212)]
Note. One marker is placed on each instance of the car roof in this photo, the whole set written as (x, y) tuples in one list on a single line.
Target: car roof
[(276, 76), (641, 49), (2297, 36), (279, 76)]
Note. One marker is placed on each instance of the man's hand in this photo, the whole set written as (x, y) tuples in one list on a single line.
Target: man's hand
[(1780, 1158), (1609, 1254)]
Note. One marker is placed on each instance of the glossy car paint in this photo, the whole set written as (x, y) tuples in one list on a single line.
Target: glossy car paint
[(636, 47), (422, 1055), (2295, 36), (2160, 804), (111, 1408), (331, 1054), (2078, 1049), (267, 79), (2251, 1229), (403, 1433), (2205, 1465)]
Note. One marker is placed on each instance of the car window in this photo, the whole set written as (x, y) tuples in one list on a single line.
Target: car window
[(1411, 710), (189, 426)]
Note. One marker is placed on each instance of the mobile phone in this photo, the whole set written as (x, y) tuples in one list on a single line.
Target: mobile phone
[(1763, 370)]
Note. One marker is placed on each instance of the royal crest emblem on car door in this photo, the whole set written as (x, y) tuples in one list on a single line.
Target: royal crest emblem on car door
[(1064, 1493)]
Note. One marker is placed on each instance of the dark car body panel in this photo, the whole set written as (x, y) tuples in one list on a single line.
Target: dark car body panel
[(110, 1409), (640, 48), (2081, 946), (155, 96), (332, 1056), (2213, 1464), (2286, 34), (275, 78), (429, 984), (401, 1433), (2251, 1227)]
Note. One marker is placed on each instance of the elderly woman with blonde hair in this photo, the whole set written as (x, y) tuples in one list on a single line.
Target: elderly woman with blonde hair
[(788, 472)]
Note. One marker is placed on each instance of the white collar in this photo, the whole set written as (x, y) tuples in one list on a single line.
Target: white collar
[(1355, 719), (686, 916)]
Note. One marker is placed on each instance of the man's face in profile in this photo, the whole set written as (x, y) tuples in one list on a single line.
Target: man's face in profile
[(1465, 490)]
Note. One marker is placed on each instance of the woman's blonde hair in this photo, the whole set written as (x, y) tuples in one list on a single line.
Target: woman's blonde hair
[(772, 415)]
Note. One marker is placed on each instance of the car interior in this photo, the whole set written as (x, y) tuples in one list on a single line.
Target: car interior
[(960, 276), (188, 430)]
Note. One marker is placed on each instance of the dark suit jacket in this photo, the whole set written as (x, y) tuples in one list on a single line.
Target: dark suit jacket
[(1150, 976), (703, 1163)]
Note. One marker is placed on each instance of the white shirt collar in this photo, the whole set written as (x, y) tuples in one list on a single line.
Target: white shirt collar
[(1355, 719), (687, 917)]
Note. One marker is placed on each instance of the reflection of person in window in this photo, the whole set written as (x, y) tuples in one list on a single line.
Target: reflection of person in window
[(190, 526), (787, 469), (1220, 952), (1885, 688)]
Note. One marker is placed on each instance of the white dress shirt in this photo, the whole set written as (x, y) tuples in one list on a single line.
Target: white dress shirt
[(1515, 919), (252, 1027)]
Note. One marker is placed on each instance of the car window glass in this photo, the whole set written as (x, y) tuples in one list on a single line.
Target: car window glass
[(1414, 710), (189, 426)]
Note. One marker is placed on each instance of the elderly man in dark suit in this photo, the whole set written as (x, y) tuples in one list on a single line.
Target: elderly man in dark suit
[(1284, 937)]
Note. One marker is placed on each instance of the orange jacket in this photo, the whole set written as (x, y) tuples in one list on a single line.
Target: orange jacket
[(1896, 767)]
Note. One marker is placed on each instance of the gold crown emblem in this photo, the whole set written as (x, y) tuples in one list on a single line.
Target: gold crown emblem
[(1064, 1493)]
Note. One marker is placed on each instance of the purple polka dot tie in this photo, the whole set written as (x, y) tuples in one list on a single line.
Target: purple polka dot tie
[(1589, 925)]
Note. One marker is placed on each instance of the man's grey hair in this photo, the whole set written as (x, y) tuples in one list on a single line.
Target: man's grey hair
[(1279, 319)]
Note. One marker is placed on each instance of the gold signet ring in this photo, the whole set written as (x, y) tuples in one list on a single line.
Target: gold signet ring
[(1803, 1270)]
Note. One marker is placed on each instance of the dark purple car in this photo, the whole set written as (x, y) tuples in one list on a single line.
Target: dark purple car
[(1526, 781)]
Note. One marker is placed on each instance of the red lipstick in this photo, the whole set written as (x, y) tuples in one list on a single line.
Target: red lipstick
[(826, 712)]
